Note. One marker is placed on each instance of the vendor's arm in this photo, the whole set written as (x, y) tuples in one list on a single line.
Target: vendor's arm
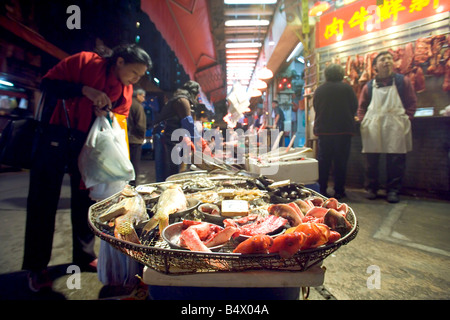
[(363, 103), (409, 98)]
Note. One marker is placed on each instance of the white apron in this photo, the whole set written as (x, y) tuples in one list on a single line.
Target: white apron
[(386, 127)]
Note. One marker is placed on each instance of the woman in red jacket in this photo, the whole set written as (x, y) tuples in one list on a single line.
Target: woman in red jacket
[(88, 85)]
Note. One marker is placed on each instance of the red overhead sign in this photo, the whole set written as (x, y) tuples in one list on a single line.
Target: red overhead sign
[(364, 16)]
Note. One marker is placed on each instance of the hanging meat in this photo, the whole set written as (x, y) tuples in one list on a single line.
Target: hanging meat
[(368, 72), (417, 79), (397, 56), (423, 50), (437, 65), (406, 64), (446, 85)]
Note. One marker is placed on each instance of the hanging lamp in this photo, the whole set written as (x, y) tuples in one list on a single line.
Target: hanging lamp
[(260, 85), (265, 73)]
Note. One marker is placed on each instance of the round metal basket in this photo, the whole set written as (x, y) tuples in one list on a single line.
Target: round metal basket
[(156, 254)]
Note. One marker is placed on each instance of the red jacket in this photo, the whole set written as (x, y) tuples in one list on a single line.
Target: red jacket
[(89, 69)]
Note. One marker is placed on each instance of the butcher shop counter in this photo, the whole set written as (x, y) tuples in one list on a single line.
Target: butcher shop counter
[(248, 285)]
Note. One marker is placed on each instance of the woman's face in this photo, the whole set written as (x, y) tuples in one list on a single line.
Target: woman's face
[(129, 73)]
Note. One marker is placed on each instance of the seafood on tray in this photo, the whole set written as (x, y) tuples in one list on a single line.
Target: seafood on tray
[(200, 236), (307, 235), (170, 201), (314, 222), (254, 224), (125, 214), (329, 212)]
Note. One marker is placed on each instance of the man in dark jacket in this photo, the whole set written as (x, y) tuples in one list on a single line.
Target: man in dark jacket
[(335, 104), (137, 125)]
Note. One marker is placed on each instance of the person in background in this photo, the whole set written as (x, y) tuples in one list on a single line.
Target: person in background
[(200, 117), (176, 114), (90, 86), (278, 119), (386, 106), (137, 125), (335, 105)]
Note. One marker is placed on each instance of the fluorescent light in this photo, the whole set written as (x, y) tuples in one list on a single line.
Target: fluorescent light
[(296, 51), (242, 51), (249, 61), (6, 83), (246, 23), (156, 80), (242, 56), (243, 45), (250, 1)]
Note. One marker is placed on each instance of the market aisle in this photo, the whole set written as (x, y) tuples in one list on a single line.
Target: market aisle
[(401, 252)]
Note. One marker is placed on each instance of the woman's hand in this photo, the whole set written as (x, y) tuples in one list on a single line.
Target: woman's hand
[(101, 102)]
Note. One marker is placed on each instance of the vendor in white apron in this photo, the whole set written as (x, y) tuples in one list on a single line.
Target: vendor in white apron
[(386, 105)]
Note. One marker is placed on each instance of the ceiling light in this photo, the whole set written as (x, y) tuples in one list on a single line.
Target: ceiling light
[(246, 23), (243, 45), (260, 85), (265, 73), (6, 83), (252, 61), (242, 56), (255, 93), (242, 51), (298, 48), (250, 1)]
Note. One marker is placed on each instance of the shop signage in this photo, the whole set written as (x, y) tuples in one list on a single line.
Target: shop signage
[(305, 17), (365, 16)]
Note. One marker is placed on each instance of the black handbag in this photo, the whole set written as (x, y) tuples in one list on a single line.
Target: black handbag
[(21, 139)]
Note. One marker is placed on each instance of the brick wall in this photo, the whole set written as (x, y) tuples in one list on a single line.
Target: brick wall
[(427, 166)]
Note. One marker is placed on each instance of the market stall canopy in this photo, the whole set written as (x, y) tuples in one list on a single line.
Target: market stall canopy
[(185, 25)]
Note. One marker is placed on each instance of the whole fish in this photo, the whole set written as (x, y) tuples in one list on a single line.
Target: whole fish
[(128, 212), (171, 201)]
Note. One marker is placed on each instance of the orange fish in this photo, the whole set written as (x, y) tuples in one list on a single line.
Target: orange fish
[(288, 244), (256, 244), (334, 236), (316, 234)]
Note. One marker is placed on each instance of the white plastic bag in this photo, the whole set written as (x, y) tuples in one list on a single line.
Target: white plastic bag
[(105, 190), (104, 156)]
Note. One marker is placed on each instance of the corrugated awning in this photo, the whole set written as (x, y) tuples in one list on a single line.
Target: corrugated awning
[(185, 25)]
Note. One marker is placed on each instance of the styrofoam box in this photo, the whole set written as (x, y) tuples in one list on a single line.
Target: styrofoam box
[(302, 171)]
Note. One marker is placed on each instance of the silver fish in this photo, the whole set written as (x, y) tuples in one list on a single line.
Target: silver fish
[(171, 201)]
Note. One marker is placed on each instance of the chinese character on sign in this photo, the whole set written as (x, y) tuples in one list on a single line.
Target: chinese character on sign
[(418, 5), (335, 28), (359, 18), (390, 9)]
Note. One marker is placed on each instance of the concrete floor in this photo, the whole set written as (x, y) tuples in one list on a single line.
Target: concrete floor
[(402, 251)]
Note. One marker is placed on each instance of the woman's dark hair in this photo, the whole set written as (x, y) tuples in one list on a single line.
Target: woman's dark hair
[(130, 53), (192, 88), (334, 73)]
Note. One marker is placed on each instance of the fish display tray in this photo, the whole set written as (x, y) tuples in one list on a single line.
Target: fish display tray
[(156, 254)]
